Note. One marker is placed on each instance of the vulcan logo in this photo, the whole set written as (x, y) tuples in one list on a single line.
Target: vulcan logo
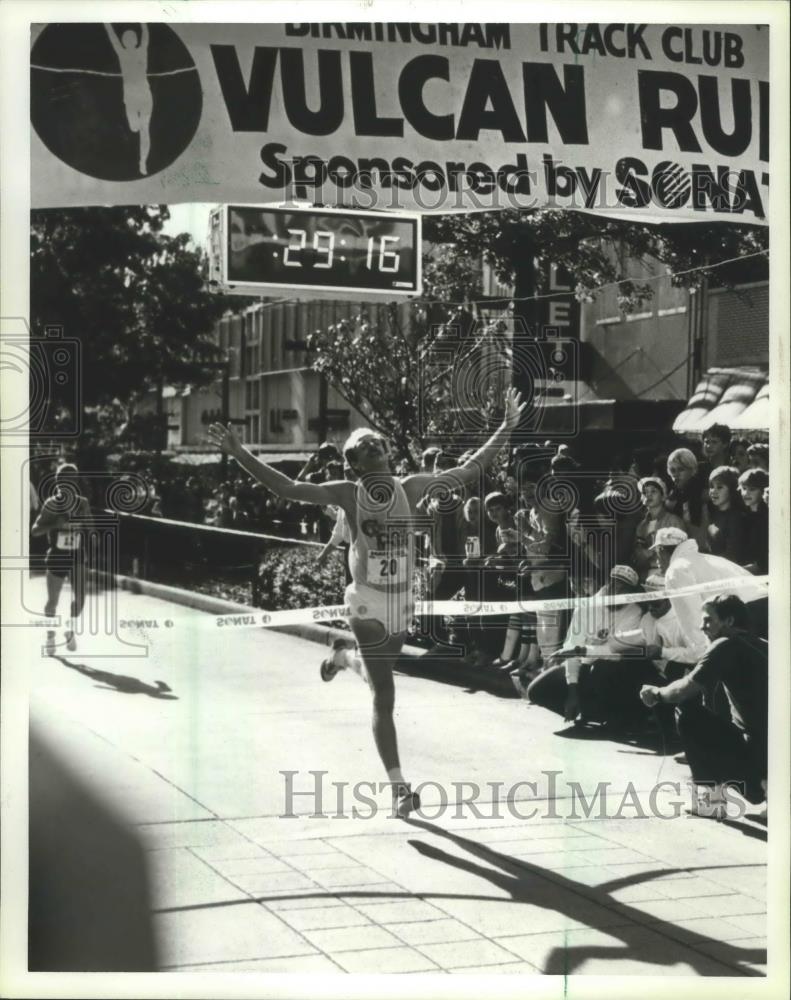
[(117, 102)]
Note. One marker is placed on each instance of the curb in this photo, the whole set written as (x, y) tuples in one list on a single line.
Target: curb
[(414, 660), (219, 606)]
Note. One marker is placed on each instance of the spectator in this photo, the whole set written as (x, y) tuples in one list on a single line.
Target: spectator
[(684, 565), (317, 462), (484, 575), (686, 496), (192, 501), (716, 447), (720, 750), (497, 508), (447, 543), (758, 456), (596, 630), (726, 530), (427, 459), (738, 456), (542, 631), (665, 641), (653, 492), (564, 468), (237, 518), (753, 484), (339, 538), (618, 507)]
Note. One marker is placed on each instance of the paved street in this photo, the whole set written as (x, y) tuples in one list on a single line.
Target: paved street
[(198, 772)]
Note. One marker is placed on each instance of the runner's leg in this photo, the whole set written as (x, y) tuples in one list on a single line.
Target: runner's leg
[(54, 587), (378, 652)]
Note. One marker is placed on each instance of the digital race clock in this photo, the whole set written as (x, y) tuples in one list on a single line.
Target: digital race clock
[(254, 248)]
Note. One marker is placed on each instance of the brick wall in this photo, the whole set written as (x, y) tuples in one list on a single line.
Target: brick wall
[(738, 326)]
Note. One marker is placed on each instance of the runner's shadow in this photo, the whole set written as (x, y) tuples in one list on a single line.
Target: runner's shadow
[(121, 682), (518, 878)]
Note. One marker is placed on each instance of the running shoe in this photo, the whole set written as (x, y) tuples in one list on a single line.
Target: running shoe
[(405, 801), (71, 642), (49, 645), (329, 668)]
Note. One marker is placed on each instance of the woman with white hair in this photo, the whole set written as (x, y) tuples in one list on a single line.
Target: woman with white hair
[(688, 495)]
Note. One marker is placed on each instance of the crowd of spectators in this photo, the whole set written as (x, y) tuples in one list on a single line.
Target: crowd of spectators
[(648, 525)]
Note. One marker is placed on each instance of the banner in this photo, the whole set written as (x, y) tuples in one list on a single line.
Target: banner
[(651, 122)]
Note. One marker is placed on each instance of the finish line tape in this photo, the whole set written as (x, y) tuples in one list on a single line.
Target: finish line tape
[(298, 616), (256, 618)]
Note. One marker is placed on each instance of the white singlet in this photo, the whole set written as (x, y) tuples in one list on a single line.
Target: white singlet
[(381, 555)]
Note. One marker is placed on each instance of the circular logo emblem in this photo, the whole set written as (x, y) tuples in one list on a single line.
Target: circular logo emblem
[(672, 184), (115, 101)]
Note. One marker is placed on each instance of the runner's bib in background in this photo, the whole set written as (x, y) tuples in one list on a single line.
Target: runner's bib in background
[(68, 540)]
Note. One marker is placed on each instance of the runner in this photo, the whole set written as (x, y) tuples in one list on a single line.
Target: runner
[(379, 509), (66, 556), (132, 55)]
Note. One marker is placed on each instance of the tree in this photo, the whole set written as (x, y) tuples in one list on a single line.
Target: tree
[(135, 298), (378, 361), (595, 249), (398, 364)]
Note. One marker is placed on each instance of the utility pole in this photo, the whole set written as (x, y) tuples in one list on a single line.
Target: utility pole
[(526, 332), (160, 429), (225, 405), (323, 428)]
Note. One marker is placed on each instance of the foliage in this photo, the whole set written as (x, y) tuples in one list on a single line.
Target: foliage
[(397, 365), (291, 578), (597, 250), (383, 359), (135, 298)]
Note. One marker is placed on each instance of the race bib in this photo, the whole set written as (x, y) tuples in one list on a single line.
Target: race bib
[(69, 540), (387, 568)]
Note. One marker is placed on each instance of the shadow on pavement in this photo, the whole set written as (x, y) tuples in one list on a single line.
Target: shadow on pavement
[(517, 877), (458, 673), (636, 740), (121, 682)]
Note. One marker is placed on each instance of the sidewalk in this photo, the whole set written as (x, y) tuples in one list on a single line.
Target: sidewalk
[(236, 887)]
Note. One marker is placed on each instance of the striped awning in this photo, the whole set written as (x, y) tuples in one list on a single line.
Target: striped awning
[(723, 396)]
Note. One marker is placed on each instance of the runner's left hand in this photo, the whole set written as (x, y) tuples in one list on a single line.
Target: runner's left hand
[(513, 409)]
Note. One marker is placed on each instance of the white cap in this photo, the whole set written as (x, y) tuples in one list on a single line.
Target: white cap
[(669, 536)]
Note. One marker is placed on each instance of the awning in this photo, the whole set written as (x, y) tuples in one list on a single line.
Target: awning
[(570, 406), (756, 416), (722, 397)]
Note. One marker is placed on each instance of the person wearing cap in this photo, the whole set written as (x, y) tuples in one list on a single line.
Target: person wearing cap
[(719, 750), (653, 492), (684, 565), (596, 630)]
